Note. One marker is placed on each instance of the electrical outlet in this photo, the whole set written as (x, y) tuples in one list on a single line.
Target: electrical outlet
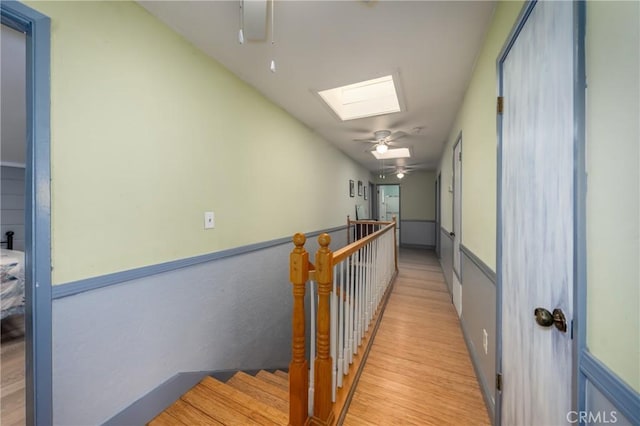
[(485, 341), (209, 220)]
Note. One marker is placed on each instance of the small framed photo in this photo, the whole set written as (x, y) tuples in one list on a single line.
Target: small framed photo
[(359, 188), (364, 192), (352, 189)]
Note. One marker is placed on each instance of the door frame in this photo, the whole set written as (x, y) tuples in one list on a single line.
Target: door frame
[(438, 212), (38, 330), (378, 185), (371, 187), (457, 233), (578, 323)]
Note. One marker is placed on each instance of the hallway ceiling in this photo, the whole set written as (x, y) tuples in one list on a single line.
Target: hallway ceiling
[(430, 45)]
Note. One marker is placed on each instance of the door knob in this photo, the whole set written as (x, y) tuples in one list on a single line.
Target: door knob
[(452, 234), (547, 319)]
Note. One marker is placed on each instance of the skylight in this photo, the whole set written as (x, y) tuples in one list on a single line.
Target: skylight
[(364, 99), (392, 153)]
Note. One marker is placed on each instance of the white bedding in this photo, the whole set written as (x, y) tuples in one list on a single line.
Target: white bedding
[(12, 282)]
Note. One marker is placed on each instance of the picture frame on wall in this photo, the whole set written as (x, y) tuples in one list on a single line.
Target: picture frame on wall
[(352, 188), (359, 188), (364, 192)]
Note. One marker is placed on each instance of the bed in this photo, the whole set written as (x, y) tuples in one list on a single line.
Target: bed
[(11, 280)]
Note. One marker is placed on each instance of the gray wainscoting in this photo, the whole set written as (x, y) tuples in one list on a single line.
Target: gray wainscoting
[(446, 258), (12, 201), (599, 410), (113, 345), (479, 315), (418, 233)]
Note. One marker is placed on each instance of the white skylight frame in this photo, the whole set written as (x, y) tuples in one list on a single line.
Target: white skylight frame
[(369, 98), (392, 153)]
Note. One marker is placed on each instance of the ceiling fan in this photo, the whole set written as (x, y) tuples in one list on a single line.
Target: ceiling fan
[(383, 139), (400, 171)]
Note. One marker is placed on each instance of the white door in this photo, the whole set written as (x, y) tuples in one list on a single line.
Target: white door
[(535, 232), (457, 225)]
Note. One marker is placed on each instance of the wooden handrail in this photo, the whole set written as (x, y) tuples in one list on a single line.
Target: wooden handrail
[(371, 222), (343, 253)]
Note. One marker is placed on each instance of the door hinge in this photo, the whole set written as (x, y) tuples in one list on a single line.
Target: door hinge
[(460, 156), (571, 329), (499, 381), (500, 104)]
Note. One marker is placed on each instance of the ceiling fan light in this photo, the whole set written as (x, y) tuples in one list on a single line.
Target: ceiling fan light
[(381, 148), (400, 175)]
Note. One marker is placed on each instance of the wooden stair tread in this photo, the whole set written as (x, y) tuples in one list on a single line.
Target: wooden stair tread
[(273, 379), (182, 413), (165, 419), (282, 374), (262, 391), (251, 407), (202, 398)]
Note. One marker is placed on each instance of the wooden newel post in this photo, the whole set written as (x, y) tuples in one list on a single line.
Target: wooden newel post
[(299, 367), (322, 404)]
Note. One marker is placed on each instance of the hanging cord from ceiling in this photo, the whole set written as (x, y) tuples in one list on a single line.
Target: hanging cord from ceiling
[(241, 31), (272, 66)]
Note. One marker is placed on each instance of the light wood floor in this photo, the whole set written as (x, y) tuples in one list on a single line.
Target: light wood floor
[(418, 371), (12, 409)]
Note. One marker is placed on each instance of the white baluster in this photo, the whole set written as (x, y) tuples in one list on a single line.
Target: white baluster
[(361, 299), (365, 322), (333, 335), (351, 301), (372, 306), (341, 326)]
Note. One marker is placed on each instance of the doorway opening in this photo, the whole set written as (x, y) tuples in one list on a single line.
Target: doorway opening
[(388, 205), (457, 224), (13, 125), (38, 390)]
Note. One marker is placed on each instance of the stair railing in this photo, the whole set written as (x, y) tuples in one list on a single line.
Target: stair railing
[(351, 286)]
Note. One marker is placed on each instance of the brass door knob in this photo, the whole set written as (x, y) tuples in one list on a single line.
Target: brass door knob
[(547, 319)]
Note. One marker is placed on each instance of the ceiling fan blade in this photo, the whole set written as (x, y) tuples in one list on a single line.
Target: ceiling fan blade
[(366, 140), (397, 135), (396, 143)]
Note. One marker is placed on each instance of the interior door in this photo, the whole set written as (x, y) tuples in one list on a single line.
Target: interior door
[(535, 224), (437, 230), (457, 225)]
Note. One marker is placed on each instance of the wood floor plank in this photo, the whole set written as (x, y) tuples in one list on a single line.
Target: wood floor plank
[(12, 372), (201, 398), (265, 395), (418, 371), (273, 379), (181, 413), (165, 419), (253, 408), (282, 374)]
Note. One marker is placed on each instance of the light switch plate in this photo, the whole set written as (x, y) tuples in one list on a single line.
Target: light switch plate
[(209, 220)]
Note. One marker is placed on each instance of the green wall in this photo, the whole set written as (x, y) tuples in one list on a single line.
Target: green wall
[(477, 121), (613, 161), (148, 133), (417, 194)]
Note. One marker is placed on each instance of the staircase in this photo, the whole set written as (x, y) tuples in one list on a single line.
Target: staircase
[(315, 391), (244, 399)]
